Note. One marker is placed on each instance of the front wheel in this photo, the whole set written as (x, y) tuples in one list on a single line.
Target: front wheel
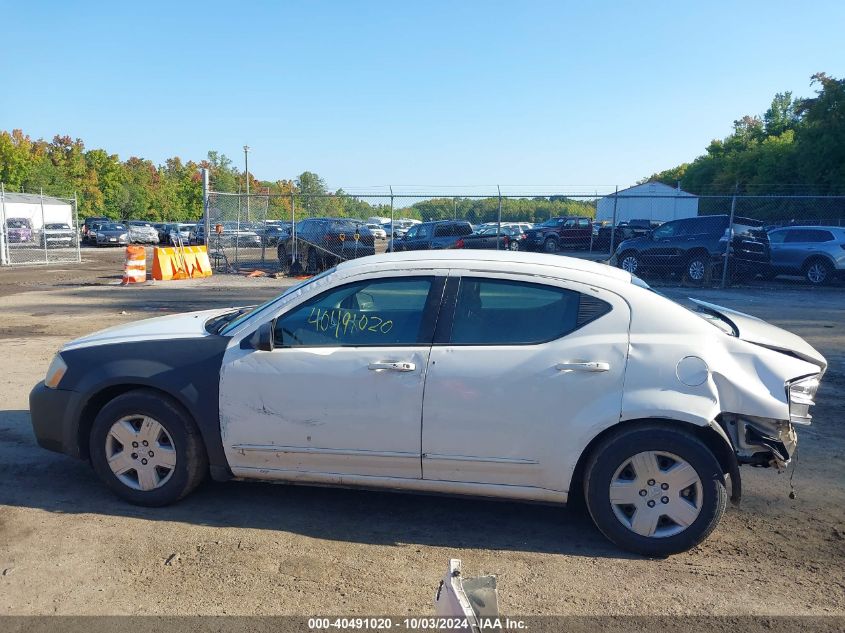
[(629, 262), (655, 490), (697, 269), (147, 449), (550, 245)]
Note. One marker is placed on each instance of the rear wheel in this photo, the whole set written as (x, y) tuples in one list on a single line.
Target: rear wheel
[(284, 262), (818, 272), (312, 262), (654, 490), (147, 449)]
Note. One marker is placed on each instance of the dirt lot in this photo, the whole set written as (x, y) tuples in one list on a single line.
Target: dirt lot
[(68, 546)]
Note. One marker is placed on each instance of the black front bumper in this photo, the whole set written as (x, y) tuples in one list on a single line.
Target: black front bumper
[(51, 411)]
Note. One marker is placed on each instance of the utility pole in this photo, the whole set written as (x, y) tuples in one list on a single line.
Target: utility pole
[(246, 169)]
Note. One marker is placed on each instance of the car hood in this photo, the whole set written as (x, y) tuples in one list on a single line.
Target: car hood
[(759, 332), (174, 326)]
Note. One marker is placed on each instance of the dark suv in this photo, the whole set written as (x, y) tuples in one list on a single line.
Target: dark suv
[(432, 235), (557, 233), (87, 234), (324, 242), (695, 247)]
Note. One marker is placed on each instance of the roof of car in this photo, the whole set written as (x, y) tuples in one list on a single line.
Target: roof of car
[(457, 257), (805, 228)]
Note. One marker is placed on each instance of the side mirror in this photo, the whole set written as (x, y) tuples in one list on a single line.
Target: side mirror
[(262, 339)]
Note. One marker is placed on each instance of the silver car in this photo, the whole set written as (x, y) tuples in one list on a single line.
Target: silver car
[(142, 232), (815, 252)]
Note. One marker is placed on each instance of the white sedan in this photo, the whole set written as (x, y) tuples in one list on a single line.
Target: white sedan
[(397, 371)]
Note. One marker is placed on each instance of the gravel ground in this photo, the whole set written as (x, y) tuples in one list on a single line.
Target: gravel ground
[(67, 546)]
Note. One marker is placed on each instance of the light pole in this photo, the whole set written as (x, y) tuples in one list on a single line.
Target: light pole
[(246, 169)]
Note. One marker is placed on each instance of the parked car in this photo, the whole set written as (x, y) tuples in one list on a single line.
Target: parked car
[(432, 235), (508, 238), (58, 234), (111, 234), (141, 232), (815, 252), (695, 247), (284, 392), (398, 231), (323, 242), (558, 233), (172, 230), (87, 234), (378, 232), (234, 234), (602, 232), (18, 230), (272, 232), (161, 230)]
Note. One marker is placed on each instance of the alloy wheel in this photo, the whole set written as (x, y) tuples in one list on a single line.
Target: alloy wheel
[(817, 273), (656, 494), (140, 452), (630, 264), (696, 270)]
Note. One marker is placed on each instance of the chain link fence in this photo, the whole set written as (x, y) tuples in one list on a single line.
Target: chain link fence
[(660, 233), (38, 229)]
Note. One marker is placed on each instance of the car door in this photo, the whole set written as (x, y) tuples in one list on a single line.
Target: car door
[(800, 244), (521, 374), (661, 248), (341, 392)]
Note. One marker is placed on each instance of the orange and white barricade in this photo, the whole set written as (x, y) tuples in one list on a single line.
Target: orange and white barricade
[(180, 263), (135, 266)]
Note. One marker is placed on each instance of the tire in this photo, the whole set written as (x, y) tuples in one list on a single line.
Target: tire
[(697, 269), (630, 262), (178, 449), (311, 267), (284, 262), (818, 272), (550, 245), (701, 503), (513, 245)]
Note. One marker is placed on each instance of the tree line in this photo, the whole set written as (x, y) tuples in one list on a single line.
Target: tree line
[(137, 188), (796, 147)]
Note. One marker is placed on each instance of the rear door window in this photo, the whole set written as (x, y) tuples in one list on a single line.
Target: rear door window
[(505, 312), (808, 235)]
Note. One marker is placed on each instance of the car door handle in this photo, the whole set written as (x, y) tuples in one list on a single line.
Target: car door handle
[(392, 365), (585, 366)]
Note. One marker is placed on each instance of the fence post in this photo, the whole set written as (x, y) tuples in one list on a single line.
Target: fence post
[(293, 227), (499, 221), (43, 226), (77, 229), (4, 257), (205, 218), (238, 229), (613, 223), (392, 225), (730, 240)]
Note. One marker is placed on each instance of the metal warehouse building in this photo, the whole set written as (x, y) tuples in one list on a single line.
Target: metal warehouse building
[(648, 201)]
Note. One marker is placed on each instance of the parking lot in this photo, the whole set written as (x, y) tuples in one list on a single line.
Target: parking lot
[(67, 546)]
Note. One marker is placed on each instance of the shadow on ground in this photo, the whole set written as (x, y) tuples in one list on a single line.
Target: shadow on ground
[(35, 478)]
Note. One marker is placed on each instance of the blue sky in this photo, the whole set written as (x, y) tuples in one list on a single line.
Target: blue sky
[(529, 95)]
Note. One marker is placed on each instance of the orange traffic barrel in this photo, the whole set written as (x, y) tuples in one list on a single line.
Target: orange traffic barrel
[(135, 266)]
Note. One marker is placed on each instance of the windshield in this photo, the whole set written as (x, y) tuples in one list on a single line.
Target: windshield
[(113, 227), (248, 312)]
